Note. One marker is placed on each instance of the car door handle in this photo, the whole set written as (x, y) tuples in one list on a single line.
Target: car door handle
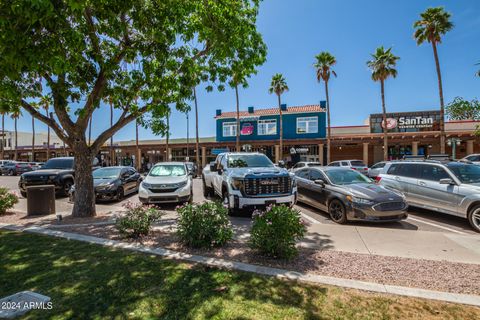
[(397, 178), (421, 183)]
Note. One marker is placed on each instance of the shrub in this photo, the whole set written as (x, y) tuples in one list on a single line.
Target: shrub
[(204, 225), (276, 230), (7, 200), (138, 220)]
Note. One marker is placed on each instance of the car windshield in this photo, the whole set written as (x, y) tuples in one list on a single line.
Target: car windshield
[(58, 164), (357, 163), (342, 177), (249, 161), (466, 173), (166, 170), (106, 173)]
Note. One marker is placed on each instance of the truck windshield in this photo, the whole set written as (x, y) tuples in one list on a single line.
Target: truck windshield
[(58, 164), (249, 161)]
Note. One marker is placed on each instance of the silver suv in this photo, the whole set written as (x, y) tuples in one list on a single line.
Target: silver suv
[(448, 187)]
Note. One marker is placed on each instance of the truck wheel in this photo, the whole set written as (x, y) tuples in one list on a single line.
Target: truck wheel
[(337, 211), (67, 185), (474, 218), (207, 191), (226, 202)]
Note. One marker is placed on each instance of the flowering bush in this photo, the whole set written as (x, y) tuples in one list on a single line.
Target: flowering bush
[(138, 220), (7, 200), (276, 230), (204, 225)]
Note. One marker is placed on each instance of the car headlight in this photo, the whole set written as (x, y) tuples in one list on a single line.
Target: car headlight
[(181, 184), (236, 184), (52, 177), (146, 185), (357, 200)]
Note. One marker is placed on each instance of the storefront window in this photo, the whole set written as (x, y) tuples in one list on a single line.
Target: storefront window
[(229, 129), (307, 125), (267, 127)]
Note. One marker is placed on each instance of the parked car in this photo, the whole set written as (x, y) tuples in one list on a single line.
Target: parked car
[(349, 195), (246, 180), (36, 165), (14, 168), (2, 164), (167, 182), (56, 171), (473, 158), (113, 183), (448, 187), (303, 164), (439, 157), (357, 165), (192, 168), (376, 169)]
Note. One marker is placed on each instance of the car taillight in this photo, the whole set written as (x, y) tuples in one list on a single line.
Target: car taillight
[(17, 166), (378, 178), (354, 168)]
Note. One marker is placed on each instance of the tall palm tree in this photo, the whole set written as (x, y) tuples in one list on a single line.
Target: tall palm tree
[(382, 66), (112, 154), (168, 136), (33, 138), (323, 65), (15, 114), (197, 146), (237, 140), (2, 144), (433, 24), (478, 72), (137, 158), (278, 85), (45, 101)]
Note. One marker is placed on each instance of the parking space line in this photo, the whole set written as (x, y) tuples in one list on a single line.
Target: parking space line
[(436, 225), (306, 216)]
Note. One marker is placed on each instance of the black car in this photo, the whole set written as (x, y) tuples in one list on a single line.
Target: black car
[(14, 168), (113, 183), (348, 195)]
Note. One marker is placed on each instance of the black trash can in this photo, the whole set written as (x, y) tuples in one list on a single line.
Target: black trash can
[(40, 200)]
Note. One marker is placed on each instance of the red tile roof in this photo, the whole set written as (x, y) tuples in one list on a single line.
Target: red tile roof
[(273, 111)]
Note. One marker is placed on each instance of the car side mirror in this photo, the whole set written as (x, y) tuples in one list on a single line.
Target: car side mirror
[(281, 164), (446, 181), (321, 183), (219, 170), (213, 167)]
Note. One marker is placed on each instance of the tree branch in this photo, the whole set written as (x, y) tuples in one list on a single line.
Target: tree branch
[(92, 34)]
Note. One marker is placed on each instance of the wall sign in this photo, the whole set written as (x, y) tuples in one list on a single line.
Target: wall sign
[(406, 121), (246, 129)]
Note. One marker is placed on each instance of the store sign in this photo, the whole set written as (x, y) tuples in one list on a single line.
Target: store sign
[(409, 123), (405, 121), (298, 150)]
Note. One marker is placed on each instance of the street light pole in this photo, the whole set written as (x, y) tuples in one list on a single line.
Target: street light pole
[(454, 142)]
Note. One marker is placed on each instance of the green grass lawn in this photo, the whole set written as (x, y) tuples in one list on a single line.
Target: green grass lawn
[(93, 282)]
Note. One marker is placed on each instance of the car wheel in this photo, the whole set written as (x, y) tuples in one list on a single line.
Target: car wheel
[(207, 191), (23, 193), (474, 218), (190, 200), (226, 203), (120, 194), (11, 173), (67, 185), (337, 211)]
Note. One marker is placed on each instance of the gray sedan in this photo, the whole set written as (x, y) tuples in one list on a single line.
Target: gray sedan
[(349, 195)]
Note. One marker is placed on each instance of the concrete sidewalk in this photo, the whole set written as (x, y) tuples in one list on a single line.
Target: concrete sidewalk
[(395, 242)]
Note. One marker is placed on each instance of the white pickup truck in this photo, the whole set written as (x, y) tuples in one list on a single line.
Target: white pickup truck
[(248, 180)]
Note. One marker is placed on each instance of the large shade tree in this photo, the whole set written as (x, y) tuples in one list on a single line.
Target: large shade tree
[(85, 51), (382, 66), (433, 24), (279, 86), (323, 65)]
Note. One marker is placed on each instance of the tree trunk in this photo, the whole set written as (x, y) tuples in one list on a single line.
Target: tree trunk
[(442, 105), (16, 141), (84, 205), (237, 144), (48, 138), (188, 138), (281, 127), (3, 136), (197, 147), (168, 137), (329, 136), (33, 139), (137, 158), (112, 154), (385, 130)]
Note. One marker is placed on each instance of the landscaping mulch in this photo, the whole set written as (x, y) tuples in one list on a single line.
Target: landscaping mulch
[(425, 274)]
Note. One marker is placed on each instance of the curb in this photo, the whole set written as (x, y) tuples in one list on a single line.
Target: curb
[(275, 272)]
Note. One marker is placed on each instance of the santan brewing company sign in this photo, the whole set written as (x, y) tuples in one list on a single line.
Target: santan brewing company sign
[(405, 121)]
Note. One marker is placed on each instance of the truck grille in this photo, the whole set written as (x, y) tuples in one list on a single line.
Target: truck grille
[(267, 186), (390, 206)]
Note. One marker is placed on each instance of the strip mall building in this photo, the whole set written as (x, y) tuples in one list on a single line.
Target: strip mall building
[(304, 132)]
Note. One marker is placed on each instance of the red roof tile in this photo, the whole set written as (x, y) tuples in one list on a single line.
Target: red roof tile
[(273, 111)]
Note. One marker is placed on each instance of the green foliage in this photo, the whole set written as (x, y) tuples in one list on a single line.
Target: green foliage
[(7, 200), (383, 64), (461, 109), (138, 220), (433, 24), (204, 225), (276, 230), (323, 65), (278, 85)]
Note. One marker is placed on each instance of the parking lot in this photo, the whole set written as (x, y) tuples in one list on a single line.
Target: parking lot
[(419, 219)]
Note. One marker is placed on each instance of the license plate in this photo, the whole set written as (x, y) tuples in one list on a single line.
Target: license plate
[(269, 182)]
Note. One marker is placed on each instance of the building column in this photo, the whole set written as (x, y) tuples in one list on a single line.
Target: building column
[(277, 153), (204, 157), (470, 146), (365, 152), (415, 148), (320, 153)]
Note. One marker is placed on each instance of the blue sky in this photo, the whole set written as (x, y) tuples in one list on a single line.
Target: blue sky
[(295, 31)]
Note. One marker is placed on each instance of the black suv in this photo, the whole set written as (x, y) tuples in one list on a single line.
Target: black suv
[(56, 171)]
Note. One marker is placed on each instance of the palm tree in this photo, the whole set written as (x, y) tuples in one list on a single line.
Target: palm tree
[(33, 138), (197, 146), (237, 140), (478, 72), (112, 155), (323, 65), (279, 86), (2, 144), (383, 66), (433, 24), (168, 135), (45, 103), (15, 114)]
